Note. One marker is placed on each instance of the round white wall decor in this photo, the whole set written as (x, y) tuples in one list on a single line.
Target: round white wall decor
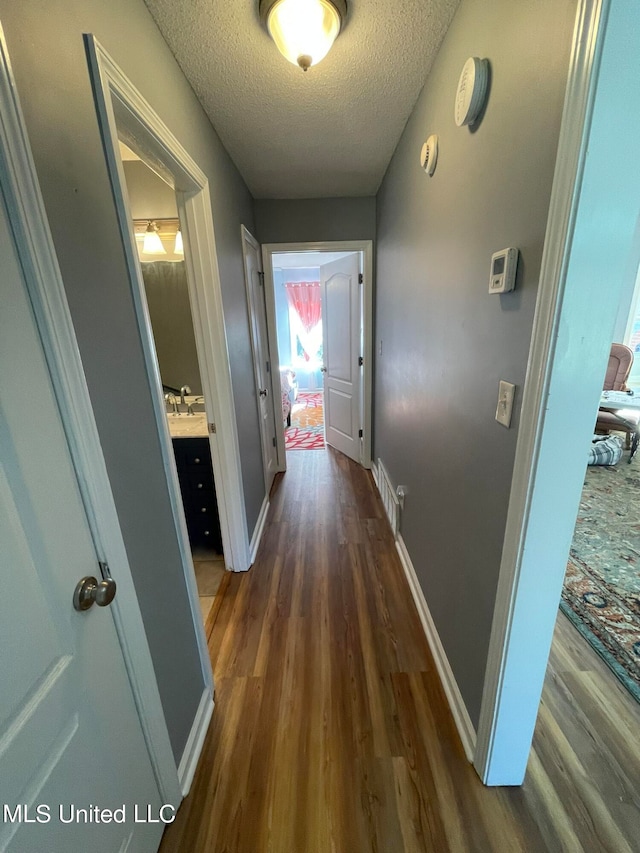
[(472, 91), (429, 154)]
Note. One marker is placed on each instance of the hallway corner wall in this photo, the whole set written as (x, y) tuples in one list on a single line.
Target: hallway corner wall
[(443, 342), (45, 42)]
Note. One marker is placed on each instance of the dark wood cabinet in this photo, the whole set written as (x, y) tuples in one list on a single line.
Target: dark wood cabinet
[(195, 473)]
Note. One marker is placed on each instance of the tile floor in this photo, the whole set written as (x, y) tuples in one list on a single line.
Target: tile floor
[(210, 570)]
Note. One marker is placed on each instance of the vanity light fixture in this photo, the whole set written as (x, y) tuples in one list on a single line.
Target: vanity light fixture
[(303, 30), (152, 244), (178, 248)]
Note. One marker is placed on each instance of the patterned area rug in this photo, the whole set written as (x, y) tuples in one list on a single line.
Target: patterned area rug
[(307, 423), (601, 593)]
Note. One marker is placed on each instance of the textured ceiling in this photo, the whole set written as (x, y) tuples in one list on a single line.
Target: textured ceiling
[(328, 132)]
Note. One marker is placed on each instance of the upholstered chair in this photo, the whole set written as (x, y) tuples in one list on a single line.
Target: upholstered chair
[(618, 370)]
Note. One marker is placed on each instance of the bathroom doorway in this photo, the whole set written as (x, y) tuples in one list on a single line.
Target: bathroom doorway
[(161, 254)]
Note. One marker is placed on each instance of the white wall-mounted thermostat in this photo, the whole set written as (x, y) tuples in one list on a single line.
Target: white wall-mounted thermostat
[(429, 155), (503, 270)]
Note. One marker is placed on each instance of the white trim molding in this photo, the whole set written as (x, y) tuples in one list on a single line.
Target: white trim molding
[(449, 684), (530, 581), (46, 290), (195, 742), (366, 248), (259, 529)]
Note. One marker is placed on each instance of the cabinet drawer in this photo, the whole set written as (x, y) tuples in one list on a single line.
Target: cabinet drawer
[(199, 483), (199, 507), (197, 453), (194, 452), (204, 531)]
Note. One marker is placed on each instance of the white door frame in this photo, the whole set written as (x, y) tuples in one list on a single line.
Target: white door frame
[(588, 253), (366, 247), (46, 290), (249, 240)]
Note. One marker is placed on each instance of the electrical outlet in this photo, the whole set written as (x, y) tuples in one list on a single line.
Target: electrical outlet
[(506, 393)]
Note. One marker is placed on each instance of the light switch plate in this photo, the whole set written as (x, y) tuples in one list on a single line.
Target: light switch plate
[(506, 393)]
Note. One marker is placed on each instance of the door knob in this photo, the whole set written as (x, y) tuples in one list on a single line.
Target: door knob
[(263, 392), (323, 369), (90, 591)]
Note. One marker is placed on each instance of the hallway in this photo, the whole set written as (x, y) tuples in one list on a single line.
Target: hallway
[(331, 731)]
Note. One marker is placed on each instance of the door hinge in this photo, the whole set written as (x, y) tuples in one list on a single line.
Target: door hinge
[(360, 278), (274, 440), (360, 360), (261, 276), (359, 433), (268, 363), (212, 428)]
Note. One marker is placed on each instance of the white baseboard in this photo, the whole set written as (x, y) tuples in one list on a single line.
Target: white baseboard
[(195, 741), (374, 472), (259, 529), (458, 708)]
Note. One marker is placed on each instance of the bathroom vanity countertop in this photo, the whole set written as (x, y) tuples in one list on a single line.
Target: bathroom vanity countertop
[(188, 426)]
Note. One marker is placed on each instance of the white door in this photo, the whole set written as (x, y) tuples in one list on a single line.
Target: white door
[(342, 348), (70, 737), (267, 406)]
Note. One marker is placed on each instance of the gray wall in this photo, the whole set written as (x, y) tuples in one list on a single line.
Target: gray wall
[(445, 341), (48, 58), (314, 219)]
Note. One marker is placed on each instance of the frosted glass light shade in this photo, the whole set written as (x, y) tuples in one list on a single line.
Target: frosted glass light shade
[(178, 248), (152, 244), (303, 30)]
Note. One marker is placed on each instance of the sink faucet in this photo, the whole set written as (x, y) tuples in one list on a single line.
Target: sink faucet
[(184, 390), (192, 404), (170, 397)]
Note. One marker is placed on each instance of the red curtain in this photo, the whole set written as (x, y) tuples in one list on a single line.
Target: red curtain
[(306, 298)]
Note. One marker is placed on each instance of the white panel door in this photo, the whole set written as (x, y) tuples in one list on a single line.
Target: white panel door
[(262, 362), (341, 334), (70, 736)]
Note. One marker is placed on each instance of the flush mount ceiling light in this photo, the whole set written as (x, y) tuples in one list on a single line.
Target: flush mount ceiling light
[(152, 243), (303, 30)]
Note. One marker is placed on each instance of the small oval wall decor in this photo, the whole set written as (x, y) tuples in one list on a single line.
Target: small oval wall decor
[(429, 154), (471, 91)]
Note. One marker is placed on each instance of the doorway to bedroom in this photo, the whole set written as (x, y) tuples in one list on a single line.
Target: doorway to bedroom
[(325, 350), (314, 335)]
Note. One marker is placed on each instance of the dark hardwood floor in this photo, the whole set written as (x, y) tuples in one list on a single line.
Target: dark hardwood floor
[(331, 732)]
